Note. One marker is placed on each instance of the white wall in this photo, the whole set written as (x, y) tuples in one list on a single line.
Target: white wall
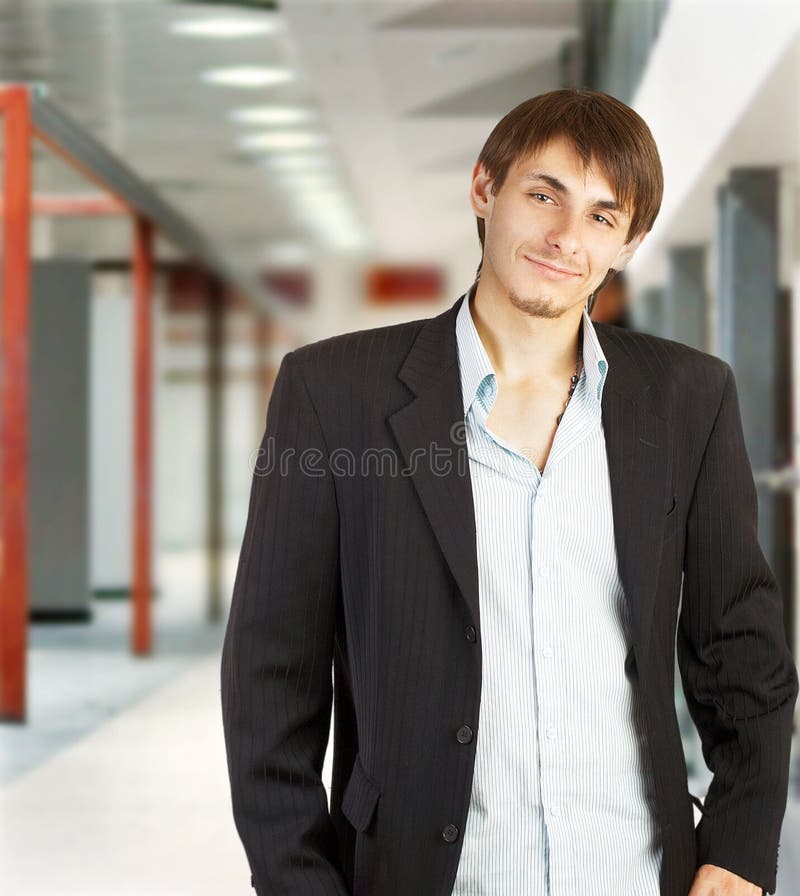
[(710, 61), (110, 433)]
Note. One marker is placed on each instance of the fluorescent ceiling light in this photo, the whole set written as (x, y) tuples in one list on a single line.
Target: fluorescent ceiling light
[(297, 162), (346, 240), (226, 27), (327, 195), (307, 180), (248, 76), (318, 220), (330, 201), (277, 140), (287, 253), (271, 115), (342, 237)]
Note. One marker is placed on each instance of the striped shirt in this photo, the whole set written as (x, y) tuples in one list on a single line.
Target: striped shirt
[(562, 799)]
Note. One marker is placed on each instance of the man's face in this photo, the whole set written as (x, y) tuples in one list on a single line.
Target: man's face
[(552, 231)]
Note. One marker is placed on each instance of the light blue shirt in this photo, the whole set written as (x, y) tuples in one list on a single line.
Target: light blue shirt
[(563, 799)]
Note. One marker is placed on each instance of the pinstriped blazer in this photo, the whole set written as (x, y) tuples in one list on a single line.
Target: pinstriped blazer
[(357, 590)]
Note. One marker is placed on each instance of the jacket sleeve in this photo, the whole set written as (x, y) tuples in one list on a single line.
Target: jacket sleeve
[(738, 676), (278, 651)]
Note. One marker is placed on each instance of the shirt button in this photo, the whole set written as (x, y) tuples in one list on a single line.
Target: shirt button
[(471, 633), (450, 833), (464, 734), (551, 732), (547, 651), (543, 571), (555, 810)]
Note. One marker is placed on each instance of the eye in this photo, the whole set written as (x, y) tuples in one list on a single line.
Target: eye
[(605, 220), (543, 195)]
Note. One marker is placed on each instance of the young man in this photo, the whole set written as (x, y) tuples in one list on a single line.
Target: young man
[(483, 521)]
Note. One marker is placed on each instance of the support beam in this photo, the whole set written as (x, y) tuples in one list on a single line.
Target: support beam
[(141, 631), (14, 413), (81, 206), (73, 143)]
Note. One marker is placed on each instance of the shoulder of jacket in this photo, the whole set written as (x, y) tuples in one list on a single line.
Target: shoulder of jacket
[(332, 368), (357, 343), (670, 361)]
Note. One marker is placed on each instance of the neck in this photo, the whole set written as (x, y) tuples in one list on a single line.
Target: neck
[(526, 350)]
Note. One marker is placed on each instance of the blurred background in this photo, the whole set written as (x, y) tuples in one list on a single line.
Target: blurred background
[(190, 190)]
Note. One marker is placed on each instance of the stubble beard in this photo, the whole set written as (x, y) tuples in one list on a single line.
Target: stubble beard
[(537, 306)]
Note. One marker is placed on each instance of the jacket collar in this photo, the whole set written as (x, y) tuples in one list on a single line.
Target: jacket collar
[(435, 350)]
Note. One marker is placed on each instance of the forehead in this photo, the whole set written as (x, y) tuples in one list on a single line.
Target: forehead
[(559, 159)]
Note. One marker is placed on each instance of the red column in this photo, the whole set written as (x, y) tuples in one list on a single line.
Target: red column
[(15, 108), (141, 629)]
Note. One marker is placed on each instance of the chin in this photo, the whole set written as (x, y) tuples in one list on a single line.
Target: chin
[(538, 303)]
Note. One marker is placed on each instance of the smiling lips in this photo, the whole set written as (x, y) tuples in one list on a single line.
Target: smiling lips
[(550, 271)]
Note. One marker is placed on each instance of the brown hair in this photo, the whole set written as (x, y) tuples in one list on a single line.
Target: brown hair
[(602, 129)]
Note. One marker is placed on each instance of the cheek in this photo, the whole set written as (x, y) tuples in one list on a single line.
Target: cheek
[(611, 251), (513, 236), (600, 259), (503, 241)]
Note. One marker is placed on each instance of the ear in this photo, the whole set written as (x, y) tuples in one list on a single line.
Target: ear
[(625, 254), (481, 197)]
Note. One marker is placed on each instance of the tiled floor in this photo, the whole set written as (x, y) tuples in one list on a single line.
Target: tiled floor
[(117, 784), (138, 806)]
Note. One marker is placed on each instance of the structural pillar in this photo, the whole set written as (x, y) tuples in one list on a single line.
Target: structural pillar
[(648, 312), (686, 295), (14, 394), (215, 516), (141, 628), (747, 318)]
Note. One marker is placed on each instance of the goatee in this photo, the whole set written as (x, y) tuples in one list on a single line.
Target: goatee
[(541, 306)]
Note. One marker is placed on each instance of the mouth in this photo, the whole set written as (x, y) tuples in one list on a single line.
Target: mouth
[(550, 271)]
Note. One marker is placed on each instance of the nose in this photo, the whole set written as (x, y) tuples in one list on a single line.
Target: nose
[(565, 233)]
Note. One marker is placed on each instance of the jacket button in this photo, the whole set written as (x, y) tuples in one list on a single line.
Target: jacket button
[(450, 833), (471, 633), (464, 734)]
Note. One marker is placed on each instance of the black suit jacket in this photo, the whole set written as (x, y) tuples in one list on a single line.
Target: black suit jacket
[(359, 558)]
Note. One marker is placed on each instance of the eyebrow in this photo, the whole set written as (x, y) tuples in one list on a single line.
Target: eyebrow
[(556, 184)]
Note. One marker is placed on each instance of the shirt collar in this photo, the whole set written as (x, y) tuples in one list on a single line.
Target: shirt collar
[(475, 366)]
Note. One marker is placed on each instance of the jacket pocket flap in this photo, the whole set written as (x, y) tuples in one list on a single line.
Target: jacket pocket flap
[(360, 797)]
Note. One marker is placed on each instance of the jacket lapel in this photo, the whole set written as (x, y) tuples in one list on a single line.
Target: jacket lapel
[(430, 434), (640, 476)]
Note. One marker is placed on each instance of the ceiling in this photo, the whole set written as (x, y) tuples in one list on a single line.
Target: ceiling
[(401, 96)]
